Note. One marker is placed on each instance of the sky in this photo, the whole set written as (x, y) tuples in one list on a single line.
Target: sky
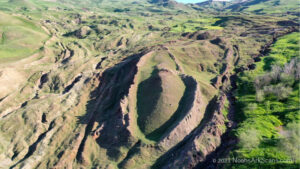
[(189, 1)]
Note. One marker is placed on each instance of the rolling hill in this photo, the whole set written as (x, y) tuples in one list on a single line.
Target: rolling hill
[(148, 84)]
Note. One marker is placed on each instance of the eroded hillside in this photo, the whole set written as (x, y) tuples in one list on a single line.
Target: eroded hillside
[(108, 86)]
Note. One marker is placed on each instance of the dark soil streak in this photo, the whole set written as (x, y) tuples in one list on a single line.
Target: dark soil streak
[(32, 147)]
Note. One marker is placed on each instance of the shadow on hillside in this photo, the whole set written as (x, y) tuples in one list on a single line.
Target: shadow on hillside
[(185, 104), (171, 154), (104, 110), (148, 94)]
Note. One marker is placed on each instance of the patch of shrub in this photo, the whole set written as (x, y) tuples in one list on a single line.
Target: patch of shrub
[(249, 139), (290, 141)]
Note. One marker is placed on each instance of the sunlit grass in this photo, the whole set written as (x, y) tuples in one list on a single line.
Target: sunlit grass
[(268, 116)]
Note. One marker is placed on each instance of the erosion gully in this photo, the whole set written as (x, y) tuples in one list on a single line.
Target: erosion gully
[(228, 140)]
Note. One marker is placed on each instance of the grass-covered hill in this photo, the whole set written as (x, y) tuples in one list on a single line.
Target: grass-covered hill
[(20, 37), (147, 84), (267, 6), (258, 7)]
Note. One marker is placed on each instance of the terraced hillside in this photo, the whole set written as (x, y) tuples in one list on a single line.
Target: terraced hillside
[(143, 84)]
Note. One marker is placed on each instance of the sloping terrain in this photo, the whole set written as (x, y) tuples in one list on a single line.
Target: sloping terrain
[(132, 84), (258, 7), (267, 6), (19, 37), (266, 119)]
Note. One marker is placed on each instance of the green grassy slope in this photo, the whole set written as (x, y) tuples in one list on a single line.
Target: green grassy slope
[(159, 92), (19, 37), (193, 25), (269, 7), (267, 115), (74, 115), (158, 99)]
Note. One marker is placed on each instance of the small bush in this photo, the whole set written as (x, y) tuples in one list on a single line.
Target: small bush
[(289, 68), (262, 81), (275, 73), (280, 91), (252, 107), (297, 76), (249, 139), (287, 79), (260, 95), (290, 143)]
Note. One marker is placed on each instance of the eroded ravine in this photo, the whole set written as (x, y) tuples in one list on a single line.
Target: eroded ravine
[(94, 98), (229, 141)]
